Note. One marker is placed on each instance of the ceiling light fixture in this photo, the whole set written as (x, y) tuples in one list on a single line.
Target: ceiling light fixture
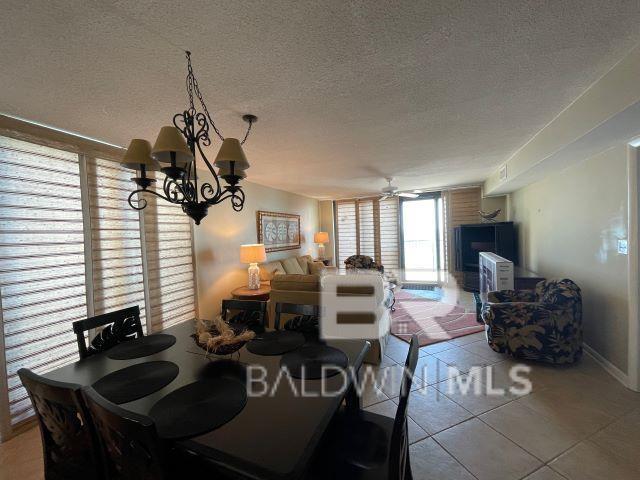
[(175, 152)]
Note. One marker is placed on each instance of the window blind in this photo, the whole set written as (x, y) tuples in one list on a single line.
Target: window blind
[(115, 240), (368, 227), (42, 273), (389, 237), (169, 251), (346, 230)]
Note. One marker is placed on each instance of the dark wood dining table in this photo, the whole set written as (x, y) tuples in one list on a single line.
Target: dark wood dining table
[(273, 437)]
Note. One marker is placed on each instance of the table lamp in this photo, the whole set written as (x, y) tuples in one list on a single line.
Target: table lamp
[(321, 238), (253, 254)]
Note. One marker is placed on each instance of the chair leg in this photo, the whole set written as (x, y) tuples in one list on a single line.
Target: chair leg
[(408, 475)]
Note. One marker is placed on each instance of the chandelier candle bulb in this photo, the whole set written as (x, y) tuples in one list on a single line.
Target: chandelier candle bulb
[(253, 254)]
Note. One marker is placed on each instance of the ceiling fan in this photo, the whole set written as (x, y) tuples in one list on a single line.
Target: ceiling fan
[(392, 191)]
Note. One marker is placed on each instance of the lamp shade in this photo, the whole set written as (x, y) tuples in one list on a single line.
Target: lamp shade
[(139, 153), (169, 141), (253, 253), (231, 151), (321, 237)]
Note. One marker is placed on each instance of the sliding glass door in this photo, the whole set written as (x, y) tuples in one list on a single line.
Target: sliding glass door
[(421, 229)]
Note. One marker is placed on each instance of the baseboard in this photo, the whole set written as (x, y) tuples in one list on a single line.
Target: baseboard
[(614, 371)]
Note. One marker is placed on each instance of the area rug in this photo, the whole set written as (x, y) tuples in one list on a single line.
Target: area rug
[(431, 319)]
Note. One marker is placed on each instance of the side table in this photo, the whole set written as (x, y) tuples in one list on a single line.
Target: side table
[(245, 293)]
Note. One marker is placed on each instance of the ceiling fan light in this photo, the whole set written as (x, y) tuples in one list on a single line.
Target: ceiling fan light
[(170, 145), (231, 155), (138, 154)]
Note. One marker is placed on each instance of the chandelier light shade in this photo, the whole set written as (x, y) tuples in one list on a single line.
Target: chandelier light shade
[(175, 153), (171, 148)]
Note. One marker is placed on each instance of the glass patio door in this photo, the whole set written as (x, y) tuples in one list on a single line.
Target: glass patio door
[(421, 238)]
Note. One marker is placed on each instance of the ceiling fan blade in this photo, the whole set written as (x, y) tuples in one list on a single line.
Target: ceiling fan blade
[(383, 197), (408, 195)]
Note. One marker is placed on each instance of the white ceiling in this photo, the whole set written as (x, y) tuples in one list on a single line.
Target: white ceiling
[(432, 93)]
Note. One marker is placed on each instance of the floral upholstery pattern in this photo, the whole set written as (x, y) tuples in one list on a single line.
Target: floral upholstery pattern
[(545, 325), (363, 262)]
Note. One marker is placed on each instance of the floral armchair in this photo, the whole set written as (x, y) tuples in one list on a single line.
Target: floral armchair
[(363, 262), (543, 325)]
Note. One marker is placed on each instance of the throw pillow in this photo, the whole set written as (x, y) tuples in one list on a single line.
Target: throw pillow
[(291, 265)]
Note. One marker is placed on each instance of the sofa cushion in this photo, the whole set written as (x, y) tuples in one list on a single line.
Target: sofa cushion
[(270, 269), (296, 282), (304, 261), (316, 268), (291, 265)]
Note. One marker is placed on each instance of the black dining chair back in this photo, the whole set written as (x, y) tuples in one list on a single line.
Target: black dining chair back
[(119, 326), (399, 465), (129, 442), (305, 312), (251, 313), (69, 441)]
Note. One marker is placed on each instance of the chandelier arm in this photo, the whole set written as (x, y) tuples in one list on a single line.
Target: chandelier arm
[(172, 196), (143, 200), (211, 169), (210, 195), (239, 203)]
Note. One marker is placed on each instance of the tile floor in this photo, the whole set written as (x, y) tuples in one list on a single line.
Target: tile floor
[(578, 423), (575, 423)]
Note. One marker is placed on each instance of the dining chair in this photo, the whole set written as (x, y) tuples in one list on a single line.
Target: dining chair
[(366, 445), (131, 448), (251, 313), (69, 440), (307, 316), (119, 326)]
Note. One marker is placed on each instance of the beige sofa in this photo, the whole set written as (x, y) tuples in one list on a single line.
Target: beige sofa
[(297, 280)]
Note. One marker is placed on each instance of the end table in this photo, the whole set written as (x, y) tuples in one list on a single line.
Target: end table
[(245, 293)]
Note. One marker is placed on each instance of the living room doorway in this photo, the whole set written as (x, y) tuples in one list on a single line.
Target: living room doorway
[(421, 243)]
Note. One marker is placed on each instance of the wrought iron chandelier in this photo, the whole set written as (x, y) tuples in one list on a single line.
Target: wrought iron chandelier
[(175, 152)]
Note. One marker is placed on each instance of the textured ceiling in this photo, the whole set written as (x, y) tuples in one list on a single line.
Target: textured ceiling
[(432, 93)]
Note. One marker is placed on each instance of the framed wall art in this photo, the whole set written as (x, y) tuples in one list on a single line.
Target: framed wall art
[(278, 231)]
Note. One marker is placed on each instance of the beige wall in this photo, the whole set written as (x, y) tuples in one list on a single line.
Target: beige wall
[(569, 224), (218, 238), (327, 225)]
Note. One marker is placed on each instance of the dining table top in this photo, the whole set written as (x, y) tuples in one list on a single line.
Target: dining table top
[(275, 434)]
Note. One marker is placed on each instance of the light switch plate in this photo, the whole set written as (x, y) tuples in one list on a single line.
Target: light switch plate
[(622, 247)]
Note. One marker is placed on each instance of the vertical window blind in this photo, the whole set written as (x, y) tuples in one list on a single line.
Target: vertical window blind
[(72, 247), (170, 263), (115, 240), (42, 274), (368, 227)]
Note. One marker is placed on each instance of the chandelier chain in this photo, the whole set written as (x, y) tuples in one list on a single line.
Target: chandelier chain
[(192, 87)]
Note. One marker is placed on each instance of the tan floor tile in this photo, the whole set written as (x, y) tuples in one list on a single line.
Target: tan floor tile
[(578, 412), (472, 394), (483, 350), (467, 339), (388, 380), (388, 409), (437, 347), (433, 370), (434, 411), (586, 461), (429, 461), (371, 395), (386, 362), (397, 352), (486, 453), (462, 359), (537, 435), (545, 473), (21, 457), (516, 377), (622, 438)]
